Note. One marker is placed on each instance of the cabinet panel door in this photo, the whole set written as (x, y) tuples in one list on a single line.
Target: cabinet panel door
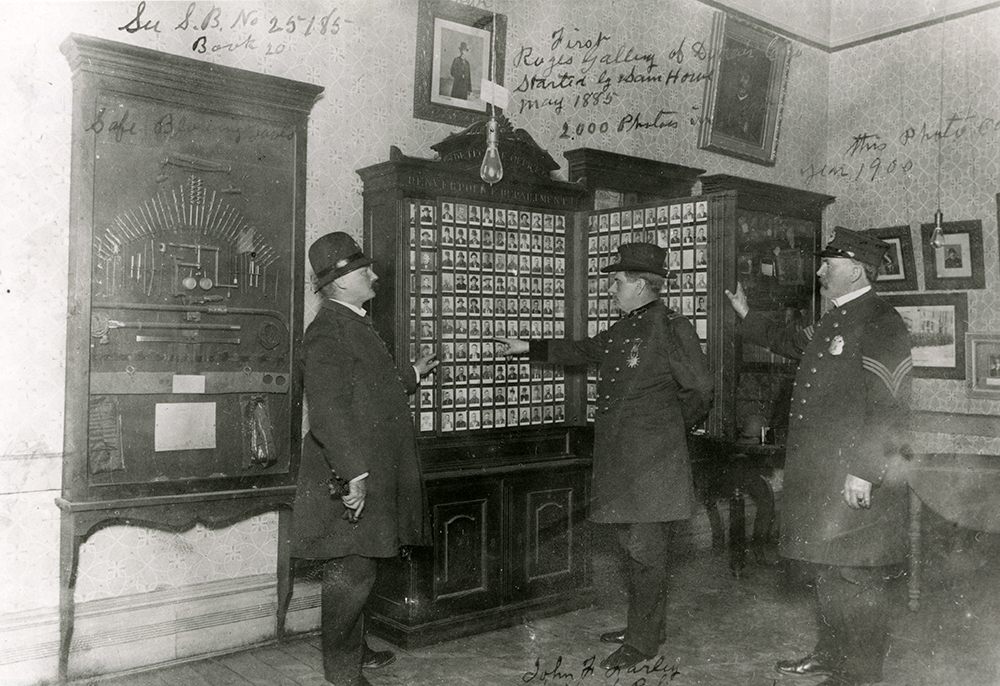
[(467, 553), (546, 518)]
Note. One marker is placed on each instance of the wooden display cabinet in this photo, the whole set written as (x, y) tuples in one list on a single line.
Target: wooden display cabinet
[(768, 244), (185, 298), (506, 444), (500, 439)]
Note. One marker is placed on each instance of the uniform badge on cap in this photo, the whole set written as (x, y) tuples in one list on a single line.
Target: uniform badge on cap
[(837, 345)]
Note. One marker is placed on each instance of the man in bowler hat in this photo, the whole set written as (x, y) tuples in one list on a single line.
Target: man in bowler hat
[(844, 503), (654, 385), (360, 492)]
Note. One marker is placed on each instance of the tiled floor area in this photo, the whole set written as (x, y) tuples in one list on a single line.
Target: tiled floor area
[(721, 632)]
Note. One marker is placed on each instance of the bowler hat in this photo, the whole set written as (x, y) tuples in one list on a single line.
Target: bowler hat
[(639, 257), (334, 255), (855, 245)]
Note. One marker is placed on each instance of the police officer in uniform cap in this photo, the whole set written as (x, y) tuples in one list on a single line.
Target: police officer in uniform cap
[(654, 383), (360, 492), (844, 507)]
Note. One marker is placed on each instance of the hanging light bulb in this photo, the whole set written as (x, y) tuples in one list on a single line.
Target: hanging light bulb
[(937, 235), (491, 170)]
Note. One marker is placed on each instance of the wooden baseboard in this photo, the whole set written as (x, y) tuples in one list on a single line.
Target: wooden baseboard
[(151, 630)]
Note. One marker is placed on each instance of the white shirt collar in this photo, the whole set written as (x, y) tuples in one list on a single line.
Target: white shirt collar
[(353, 308), (848, 297)]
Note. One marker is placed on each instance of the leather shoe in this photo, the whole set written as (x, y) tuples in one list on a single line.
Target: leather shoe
[(810, 665), (626, 656), (616, 636), (373, 659)]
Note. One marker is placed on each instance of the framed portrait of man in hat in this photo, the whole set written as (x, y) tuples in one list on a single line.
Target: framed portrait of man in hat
[(455, 52)]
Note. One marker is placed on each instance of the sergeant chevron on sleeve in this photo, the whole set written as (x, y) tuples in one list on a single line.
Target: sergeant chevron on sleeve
[(844, 508)]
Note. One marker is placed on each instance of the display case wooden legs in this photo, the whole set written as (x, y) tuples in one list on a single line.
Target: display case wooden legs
[(169, 513), (506, 545)]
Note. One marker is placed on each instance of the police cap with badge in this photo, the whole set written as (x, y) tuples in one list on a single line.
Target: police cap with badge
[(856, 245)]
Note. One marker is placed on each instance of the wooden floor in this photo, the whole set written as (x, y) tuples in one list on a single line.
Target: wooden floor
[(296, 662), (720, 631)]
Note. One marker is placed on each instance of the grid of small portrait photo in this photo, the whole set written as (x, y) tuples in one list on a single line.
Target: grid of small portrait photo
[(681, 228), (478, 272)]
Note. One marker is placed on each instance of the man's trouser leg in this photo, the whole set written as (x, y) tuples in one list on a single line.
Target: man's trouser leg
[(853, 606), (347, 581), (646, 546)]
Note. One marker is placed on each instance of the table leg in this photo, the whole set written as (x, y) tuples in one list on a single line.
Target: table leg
[(737, 532), (913, 583), (284, 575), (763, 497), (69, 548), (714, 522)]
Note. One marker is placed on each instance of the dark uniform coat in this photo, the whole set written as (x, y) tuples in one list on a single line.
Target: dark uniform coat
[(653, 384), (849, 415), (359, 421)]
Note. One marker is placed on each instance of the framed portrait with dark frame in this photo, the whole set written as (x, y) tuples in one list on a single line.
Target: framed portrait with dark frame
[(982, 363), (958, 264), (744, 99), (455, 51), (937, 324), (899, 270)]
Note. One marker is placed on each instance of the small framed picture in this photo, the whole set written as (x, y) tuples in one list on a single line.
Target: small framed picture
[(455, 52), (898, 271), (958, 264), (937, 323), (982, 365)]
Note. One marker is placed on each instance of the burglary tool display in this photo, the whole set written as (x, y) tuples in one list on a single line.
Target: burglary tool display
[(189, 262), (185, 297)]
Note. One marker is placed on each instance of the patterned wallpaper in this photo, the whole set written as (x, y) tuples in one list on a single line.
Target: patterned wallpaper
[(894, 89), (854, 19), (367, 70), (807, 18)]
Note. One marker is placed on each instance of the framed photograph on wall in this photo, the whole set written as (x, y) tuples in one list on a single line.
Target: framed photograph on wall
[(958, 264), (744, 99), (982, 363), (899, 272), (937, 324), (455, 51)]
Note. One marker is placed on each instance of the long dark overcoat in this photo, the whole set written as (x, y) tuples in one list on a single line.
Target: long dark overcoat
[(653, 384), (849, 415), (359, 421)]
